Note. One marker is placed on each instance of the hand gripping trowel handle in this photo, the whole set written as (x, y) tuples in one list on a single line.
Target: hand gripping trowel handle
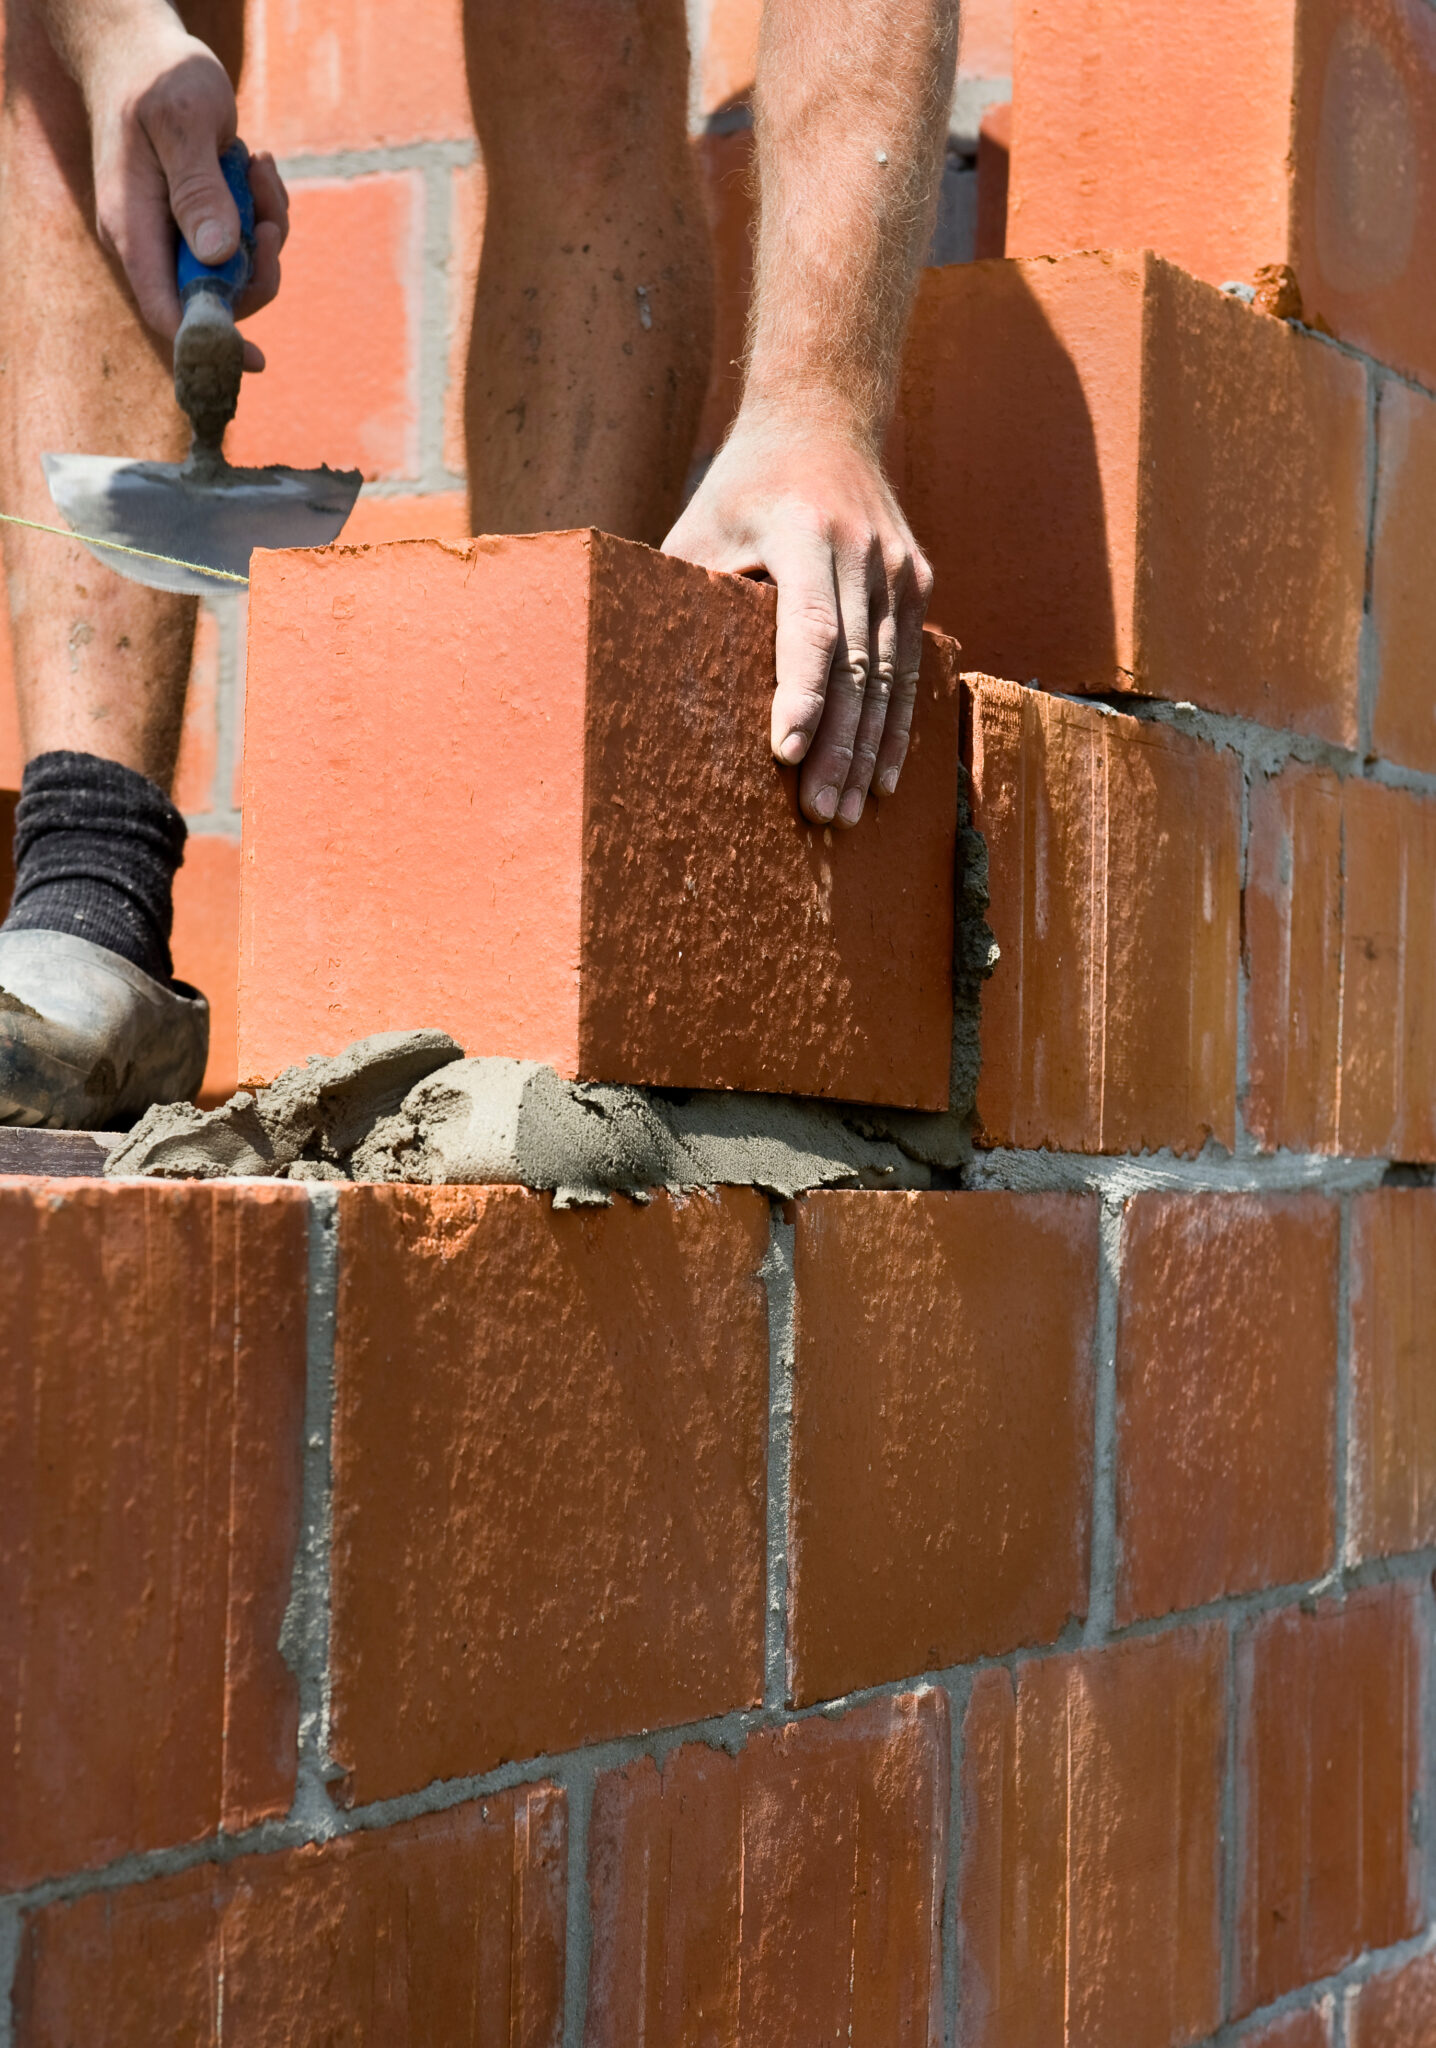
[(209, 356)]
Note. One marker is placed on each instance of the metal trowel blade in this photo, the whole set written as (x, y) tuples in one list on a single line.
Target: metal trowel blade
[(213, 518)]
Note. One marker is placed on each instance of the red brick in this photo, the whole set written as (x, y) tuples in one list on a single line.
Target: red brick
[(1341, 946), (468, 198), (984, 43), (938, 1333), (1088, 1889), (336, 76), (433, 515), (1308, 2029), (1127, 481), (549, 822), (446, 1931), (729, 60), (151, 1398), (790, 1893), (549, 1458), (1330, 1761), (1317, 150), (341, 339), (1392, 1504), (1226, 1397), (994, 148), (1109, 1024), (193, 788), (206, 949), (1397, 2010), (1403, 591)]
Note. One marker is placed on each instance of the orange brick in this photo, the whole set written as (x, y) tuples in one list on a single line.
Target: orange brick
[(448, 1929), (585, 1554), (206, 949), (336, 76), (1330, 1748), (1088, 1888), (791, 1893), (984, 39), (938, 1333), (1109, 1024), (729, 61), (1126, 480), (193, 788), (1316, 150), (1392, 1505), (151, 1399), (726, 166), (434, 515), (548, 822), (1308, 2029), (467, 202), (1403, 591), (340, 384), (1397, 2010), (1341, 948), (994, 148), (1226, 1397)]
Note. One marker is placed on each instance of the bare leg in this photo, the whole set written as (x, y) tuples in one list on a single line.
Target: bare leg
[(593, 320), (100, 663)]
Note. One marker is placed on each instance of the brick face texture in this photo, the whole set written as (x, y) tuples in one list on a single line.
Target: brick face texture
[(973, 1355), (1089, 1878), (151, 1395), (549, 1457), (1109, 1024), (1329, 1760), (446, 1931), (1126, 480), (1397, 2010), (1403, 594), (1392, 1503), (1226, 1396), (789, 1894)]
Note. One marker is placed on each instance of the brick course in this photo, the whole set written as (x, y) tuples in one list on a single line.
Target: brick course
[(1403, 591), (1396, 2009), (1392, 1505)]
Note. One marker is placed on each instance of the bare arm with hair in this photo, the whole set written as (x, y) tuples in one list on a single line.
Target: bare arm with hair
[(851, 112), (161, 110)]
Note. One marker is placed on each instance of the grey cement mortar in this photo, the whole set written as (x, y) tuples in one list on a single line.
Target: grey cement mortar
[(406, 1106)]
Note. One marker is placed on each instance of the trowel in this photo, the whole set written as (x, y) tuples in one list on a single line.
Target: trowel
[(179, 520)]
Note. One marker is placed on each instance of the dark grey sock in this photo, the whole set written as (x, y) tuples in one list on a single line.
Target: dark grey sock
[(96, 849)]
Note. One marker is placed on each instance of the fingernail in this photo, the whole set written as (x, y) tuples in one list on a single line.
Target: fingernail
[(825, 803), (208, 241), (851, 807), (887, 781), (793, 748)]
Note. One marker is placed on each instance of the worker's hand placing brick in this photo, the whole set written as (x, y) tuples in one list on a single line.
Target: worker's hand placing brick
[(851, 111)]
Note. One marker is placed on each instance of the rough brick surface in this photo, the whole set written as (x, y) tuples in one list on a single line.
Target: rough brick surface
[(1308, 2029), (789, 1894), (1392, 1505), (151, 1396), (1341, 945), (1126, 480), (938, 1334), (549, 1458), (549, 823), (1321, 143), (446, 1931), (1330, 1761), (205, 946), (1397, 2010), (1109, 1024), (1088, 1894), (1403, 590), (353, 406), (336, 77), (1226, 1396), (434, 515)]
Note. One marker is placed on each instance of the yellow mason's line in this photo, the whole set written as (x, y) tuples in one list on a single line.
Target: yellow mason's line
[(119, 548)]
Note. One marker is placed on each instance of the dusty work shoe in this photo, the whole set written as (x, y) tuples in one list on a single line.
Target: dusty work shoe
[(88, 1041)]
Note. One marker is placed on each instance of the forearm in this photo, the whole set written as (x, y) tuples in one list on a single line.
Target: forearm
[(89, 35), (851, 113)]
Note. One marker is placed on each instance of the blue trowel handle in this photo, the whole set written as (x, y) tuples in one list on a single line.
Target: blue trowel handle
[(227, 279)]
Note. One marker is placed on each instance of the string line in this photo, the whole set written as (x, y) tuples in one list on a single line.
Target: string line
[(118, 547)]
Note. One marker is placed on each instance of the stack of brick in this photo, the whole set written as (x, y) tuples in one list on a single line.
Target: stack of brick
[(990, 1616)]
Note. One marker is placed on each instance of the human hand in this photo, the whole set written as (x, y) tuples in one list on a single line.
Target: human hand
[(810, 506), (161, 111)]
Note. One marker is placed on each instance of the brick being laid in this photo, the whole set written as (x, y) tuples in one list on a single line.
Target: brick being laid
[(1250, 136), (1128, 481), (521, 789), (1109, 1022)]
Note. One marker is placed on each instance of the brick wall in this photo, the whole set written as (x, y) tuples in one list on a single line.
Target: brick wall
[(990, 1616)]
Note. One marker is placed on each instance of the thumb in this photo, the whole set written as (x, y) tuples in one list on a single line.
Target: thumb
[(188, 117), (200, 200)]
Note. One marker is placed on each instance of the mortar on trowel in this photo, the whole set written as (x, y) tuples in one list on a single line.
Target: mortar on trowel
[(201, 515)]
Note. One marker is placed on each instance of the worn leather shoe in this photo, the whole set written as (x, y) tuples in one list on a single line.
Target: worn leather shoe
[(87, 1041)]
